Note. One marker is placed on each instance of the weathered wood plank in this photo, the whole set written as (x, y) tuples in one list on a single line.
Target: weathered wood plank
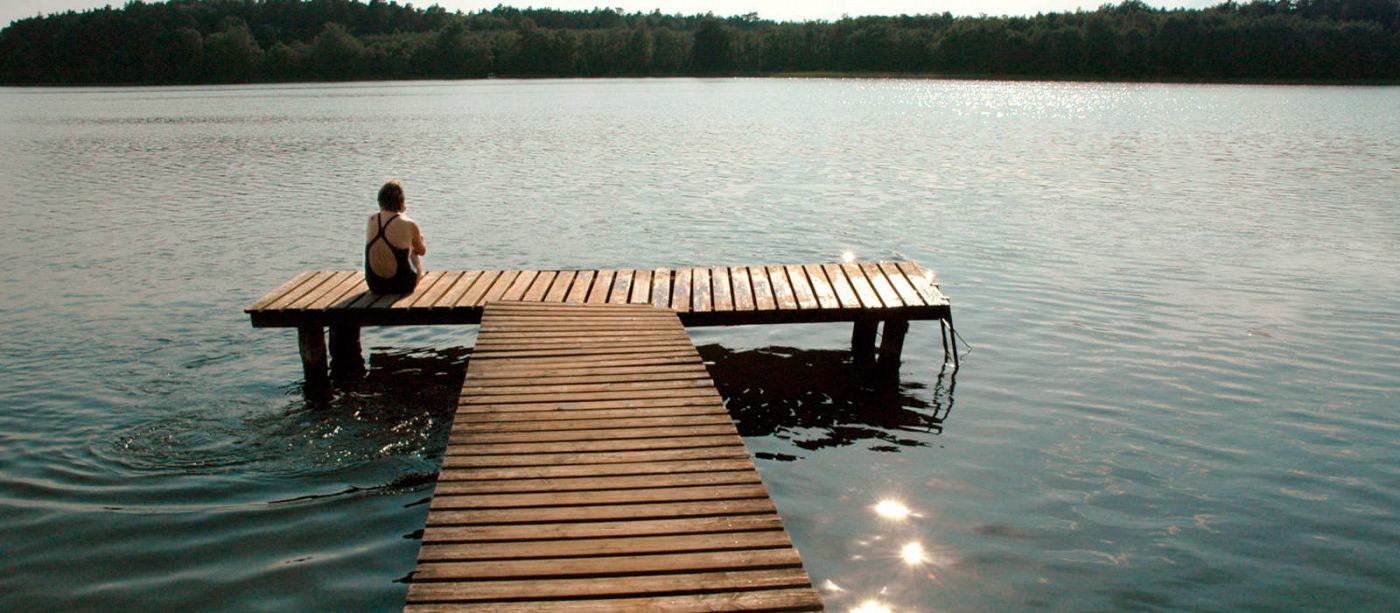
[(661, 288), (600, 529), (559, 288), (602, 285), (539, 287), (845, 293), (924, 282), (627, 565), (700, 292), (821, 287), (604, 512), (450, 297), (281, 291), (801, 288), (882, 285), (499, 590), (316, 280), (763, 299), (641, 288), (802, 599), (743, 290), (680, 290), (518, 287), (868, 298), (721, 289), (782, 289), (622, 287), (472, 297), (583, 284)]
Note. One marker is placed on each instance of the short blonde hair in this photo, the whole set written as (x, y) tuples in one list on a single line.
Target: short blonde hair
[(391, 196)]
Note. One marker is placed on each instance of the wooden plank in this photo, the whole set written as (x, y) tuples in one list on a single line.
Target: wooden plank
[(315, 281), (721, 289), (802, 599), (458, 288), (924, 283), (500, 287), (661, 288), (610, 485), (763, 299), (680, 290), (312, 296), (907, 294), (882, 284), (629, 495), (626, 565), (602, 457), (845, 292), (622, 287), (801, 287), (743, 290), (281, 291), (522, 282), (539, 287), (782, 289), (611, 546), (868, 298), (641, 288), (600, 529), (472, 297), (498, 590), (602, 512), (602, 285), (583, 284), (351, 284), (560, 287), (821, 287), (641, 444), (426, 297), (425, 284), (701, 300)]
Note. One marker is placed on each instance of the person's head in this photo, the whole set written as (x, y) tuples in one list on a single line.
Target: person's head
[(391, 196)]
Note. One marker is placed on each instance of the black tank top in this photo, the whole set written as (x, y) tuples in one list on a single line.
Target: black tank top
[(405, 276)]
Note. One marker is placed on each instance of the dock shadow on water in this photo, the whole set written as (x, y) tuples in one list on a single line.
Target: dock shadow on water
[(401, 408), (820, 398)]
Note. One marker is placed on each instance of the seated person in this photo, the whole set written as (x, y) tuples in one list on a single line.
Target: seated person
[(392, 264)]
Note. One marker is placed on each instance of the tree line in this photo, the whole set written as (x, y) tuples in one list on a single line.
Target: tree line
[(236, 41)]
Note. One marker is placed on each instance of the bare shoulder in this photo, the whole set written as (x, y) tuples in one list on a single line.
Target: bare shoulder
[(406, 219)]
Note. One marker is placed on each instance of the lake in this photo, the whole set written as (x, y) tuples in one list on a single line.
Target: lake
[(1179, 306)]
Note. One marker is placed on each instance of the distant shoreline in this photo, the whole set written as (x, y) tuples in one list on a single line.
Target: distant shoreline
[(891, 76)]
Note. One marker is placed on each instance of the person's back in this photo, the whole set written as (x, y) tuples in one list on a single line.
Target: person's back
[(393, 245)]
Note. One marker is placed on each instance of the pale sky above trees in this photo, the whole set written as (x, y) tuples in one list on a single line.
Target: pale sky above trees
[(782, 10)]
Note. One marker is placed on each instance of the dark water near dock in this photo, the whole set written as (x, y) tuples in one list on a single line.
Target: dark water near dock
[(1181, 302)]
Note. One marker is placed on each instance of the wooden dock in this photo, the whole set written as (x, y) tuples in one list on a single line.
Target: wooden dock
[(592, 466), (869, 294)]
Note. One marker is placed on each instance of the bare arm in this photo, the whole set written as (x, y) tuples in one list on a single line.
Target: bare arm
[(419, 247)]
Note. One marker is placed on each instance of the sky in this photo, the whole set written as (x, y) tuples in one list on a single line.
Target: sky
[(781, 10)]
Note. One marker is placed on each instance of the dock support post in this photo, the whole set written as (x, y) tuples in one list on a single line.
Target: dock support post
[(311, 340), (951, 334), (892, 343), (347, 362), (863, 340)]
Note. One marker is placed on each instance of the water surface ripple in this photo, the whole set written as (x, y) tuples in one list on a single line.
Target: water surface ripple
[(1180, 300)]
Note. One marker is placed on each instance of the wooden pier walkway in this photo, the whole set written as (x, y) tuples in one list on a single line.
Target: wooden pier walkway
[(869, 294), (592, 466)]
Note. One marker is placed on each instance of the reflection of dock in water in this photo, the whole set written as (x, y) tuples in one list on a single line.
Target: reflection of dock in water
[(591, 463), (779, 391)]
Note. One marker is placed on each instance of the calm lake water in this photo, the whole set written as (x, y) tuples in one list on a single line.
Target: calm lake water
[(1181, 303)]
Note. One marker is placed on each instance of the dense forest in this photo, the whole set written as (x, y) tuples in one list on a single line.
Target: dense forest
[(233, 41)]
